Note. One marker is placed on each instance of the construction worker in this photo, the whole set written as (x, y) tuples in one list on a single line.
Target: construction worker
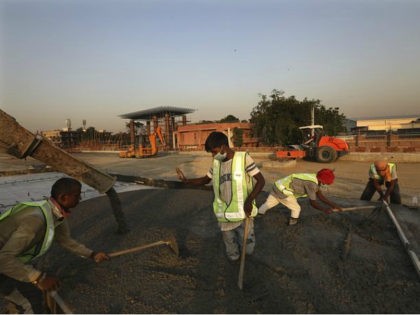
[(234, 192), (26, 232), (286, 191), (382, 173)]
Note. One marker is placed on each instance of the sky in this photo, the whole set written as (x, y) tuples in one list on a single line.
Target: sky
[(94, 60)]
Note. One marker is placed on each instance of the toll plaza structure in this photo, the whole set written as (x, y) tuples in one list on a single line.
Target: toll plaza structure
[(163, 119)]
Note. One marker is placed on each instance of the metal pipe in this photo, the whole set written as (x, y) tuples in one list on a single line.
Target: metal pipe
[(404, 239)]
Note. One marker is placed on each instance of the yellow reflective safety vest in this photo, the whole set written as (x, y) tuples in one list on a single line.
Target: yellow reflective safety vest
[(375, 174), (242, 186), (283, 184), (38, 249)]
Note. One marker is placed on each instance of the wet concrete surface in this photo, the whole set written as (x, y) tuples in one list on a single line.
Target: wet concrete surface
[(299, 269)]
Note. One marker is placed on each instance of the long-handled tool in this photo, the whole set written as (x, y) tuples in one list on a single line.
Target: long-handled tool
[(52, 299), (242, 266), (403, 239), (171, 243), (359, 208)]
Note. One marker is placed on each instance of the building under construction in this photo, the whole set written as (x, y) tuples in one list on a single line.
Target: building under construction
[(166, 117)]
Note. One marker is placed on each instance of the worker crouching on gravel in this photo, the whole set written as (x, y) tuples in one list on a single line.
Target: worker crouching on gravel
[(382, 173), (234, 192), (26, 232), (286, 191)]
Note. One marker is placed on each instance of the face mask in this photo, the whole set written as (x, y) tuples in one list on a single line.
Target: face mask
[(220, 157)]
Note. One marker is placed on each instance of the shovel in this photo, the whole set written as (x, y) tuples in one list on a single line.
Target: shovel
[(171, 243)]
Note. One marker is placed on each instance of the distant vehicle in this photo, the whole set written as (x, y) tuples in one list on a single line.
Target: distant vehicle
[(316, 146), (144, 151)]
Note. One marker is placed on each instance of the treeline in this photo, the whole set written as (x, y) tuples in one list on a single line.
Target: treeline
[(276, 119)]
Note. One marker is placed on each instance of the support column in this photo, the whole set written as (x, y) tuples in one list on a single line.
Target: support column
[(172, 130), (155, 123), (167, 130), (132, 134), (148, 127)]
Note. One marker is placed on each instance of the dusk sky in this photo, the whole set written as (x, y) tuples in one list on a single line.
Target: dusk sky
[(98, 59)]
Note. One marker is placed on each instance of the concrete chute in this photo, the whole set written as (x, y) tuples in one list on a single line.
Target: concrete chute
[(21, 143)]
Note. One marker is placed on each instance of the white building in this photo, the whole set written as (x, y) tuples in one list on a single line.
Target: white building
[(389, 123)]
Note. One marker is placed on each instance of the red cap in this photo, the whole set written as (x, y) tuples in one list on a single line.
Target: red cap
[(325, 176)]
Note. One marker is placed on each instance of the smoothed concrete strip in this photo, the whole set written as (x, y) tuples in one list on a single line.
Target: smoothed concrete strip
[(35, 187)]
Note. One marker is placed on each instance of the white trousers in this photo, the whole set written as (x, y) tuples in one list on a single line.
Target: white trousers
[(290, 202)]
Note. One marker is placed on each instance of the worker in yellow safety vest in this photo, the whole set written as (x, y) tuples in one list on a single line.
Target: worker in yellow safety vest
[(382, 173), (288, 189), (27, 231), (233, 174)]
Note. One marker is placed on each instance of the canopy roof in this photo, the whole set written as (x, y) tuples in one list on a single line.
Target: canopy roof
[(160, 112)]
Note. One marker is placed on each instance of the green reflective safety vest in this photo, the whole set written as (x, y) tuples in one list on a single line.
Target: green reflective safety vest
[(38, 249), (283, 184), (242, 186), (375, 174)]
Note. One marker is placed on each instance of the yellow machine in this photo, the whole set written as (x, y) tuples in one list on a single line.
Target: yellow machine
[(142, 151)]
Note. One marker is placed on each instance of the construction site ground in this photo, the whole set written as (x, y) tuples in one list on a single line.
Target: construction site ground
[(307, 268)]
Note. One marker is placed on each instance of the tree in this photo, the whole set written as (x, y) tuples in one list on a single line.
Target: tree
[(228, 119), (238, 137), (87, 134), (206, 122), (276, 118)]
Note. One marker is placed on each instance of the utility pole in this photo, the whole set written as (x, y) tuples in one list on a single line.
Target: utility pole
[(312, 120)]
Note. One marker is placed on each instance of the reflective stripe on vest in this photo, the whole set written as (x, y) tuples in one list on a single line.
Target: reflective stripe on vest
[(242, 186), (283, 184), (375, 172), (36, 250)]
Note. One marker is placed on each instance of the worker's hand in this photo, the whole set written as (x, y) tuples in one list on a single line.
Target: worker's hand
[(48, 283), (100, 257), (328, 211), (383, 198), (336, 209), (181, 175), (248, 208)]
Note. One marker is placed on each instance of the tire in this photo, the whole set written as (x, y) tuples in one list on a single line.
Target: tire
[(326, 154)]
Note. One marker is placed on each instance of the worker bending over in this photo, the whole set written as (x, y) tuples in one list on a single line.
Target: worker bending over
[(382, 173), (286, 191), (234, 192), (26, 232)]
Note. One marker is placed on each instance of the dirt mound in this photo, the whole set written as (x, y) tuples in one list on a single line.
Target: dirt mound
[(299, 269)]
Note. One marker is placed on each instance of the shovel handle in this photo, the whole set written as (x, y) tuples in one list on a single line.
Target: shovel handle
[(242, 266), (358, 208), (57, 298), (136, 249)]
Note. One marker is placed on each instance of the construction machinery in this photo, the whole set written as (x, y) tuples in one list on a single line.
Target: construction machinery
[(21, 143), (143, 151), (316, 146)]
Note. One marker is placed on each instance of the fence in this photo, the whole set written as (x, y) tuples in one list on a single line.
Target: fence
[(384, 142)]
